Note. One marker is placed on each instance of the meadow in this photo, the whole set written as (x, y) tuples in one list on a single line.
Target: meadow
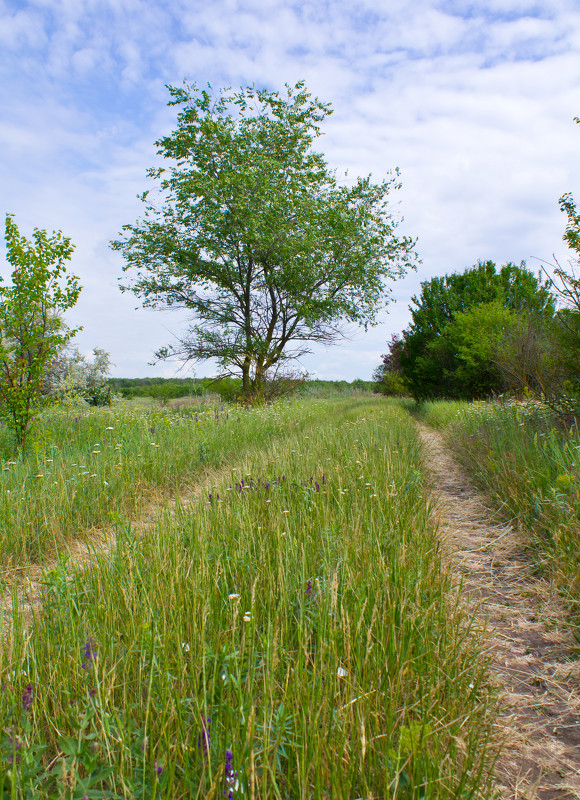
[(528, 464), (289, 633)]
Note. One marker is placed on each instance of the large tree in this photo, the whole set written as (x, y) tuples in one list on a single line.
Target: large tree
[(252, 232)]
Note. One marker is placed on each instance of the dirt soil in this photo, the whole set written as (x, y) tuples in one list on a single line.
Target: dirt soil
[(535, 657)]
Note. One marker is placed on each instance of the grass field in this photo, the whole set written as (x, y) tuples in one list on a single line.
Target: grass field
[(530, 468), (289, 634)]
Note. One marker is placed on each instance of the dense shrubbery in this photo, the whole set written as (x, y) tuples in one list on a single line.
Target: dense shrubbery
[(458, 324)]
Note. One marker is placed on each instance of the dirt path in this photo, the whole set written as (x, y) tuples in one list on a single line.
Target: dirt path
[(534, 655)]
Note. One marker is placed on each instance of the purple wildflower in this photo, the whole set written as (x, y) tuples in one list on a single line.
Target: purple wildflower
[(309, 588), (92, 692), (27, 697), (158, 768), (204, 739), (89, 654), (230, 776)]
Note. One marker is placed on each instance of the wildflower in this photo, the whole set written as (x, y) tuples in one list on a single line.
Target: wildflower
[(89, 654), (92, 692), (234, 596), (247, 616), (342, 672), (229, 776), (158, 768), (109, 428), (309, 588), (204, 739), (185, 647), (27, 697)]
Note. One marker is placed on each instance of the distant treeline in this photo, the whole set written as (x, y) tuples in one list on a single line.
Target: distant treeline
[(228, 388), (168, 388)]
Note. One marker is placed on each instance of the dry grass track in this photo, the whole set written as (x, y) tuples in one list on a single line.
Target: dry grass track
[(534, 657)]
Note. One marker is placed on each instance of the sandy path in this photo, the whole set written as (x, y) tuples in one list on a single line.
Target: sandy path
[(534, 654)]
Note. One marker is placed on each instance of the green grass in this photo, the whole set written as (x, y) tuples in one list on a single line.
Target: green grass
[(87, 468), (530, 468), (304, 625)]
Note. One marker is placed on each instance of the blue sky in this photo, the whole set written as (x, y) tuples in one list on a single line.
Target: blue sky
[(473, 101)]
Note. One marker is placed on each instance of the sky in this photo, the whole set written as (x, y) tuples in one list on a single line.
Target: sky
[(474, 101)]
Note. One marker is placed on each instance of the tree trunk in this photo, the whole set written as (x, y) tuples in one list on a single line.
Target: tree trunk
[(246, 383)]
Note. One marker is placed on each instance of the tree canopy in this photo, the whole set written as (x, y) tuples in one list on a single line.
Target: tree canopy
[(457, 323), (31, 328), (252, 232)]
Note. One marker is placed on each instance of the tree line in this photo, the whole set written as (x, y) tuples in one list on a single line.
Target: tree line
[(247, 227)]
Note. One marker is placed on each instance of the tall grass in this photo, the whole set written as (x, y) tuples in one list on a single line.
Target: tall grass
[(88, 468), (291, 635), (530, 467)]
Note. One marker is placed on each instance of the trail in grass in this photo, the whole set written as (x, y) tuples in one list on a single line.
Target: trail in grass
[(25, 585), (534, 656)]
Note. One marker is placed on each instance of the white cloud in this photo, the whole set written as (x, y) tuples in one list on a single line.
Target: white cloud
[(473, 101)]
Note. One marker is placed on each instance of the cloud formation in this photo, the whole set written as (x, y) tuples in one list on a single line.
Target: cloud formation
[(473, 101)]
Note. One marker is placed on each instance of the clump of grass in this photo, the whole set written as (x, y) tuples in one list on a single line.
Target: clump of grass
[(530, 467), (269, 643)]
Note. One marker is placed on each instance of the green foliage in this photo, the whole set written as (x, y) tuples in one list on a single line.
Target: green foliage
[(158, 388), (388, 375), (228, 388), (253, 233), (31, 330), (475, 337), (444, 354)]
